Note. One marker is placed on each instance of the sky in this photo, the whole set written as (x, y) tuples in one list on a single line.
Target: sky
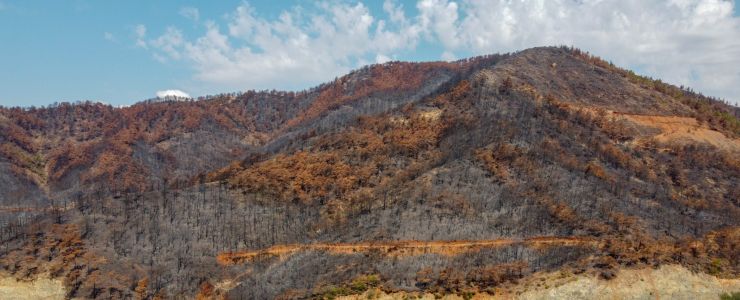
[(122, 52)]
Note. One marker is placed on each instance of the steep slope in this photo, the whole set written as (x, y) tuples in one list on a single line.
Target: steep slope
[(443, 177), (69, 148)]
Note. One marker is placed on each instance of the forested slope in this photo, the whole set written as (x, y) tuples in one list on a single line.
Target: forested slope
[(455, 177)]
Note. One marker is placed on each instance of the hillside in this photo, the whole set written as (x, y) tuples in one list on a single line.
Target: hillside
[(461, 177)]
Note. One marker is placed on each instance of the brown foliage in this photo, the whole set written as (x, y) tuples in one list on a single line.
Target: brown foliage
[(614, 155), (493, 164), (206, 291), (344, 165), (141, 289), (490, 276), (97, 142), (595, 169), (392, 77), (506, 86), (719, 115), (552, 149), (300, 177), (61, 251)]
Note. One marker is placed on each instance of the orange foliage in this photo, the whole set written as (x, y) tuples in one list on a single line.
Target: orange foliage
[(614, 155), (595, 169), (14, 134), (392, 77), (554, 150), (141, 289), (206, 291), (97, 140), (343, 165), (411, 137), (496, 274), (498, 159), (69, 156), (498, 169), (301, 176)]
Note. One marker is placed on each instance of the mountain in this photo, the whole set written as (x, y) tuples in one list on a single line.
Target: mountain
[(464, 177)]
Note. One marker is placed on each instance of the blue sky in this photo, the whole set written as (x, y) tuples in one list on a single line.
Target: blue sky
[(126, 51), (57, 50)]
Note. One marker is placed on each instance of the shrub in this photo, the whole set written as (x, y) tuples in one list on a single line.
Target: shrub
[(730, 296)]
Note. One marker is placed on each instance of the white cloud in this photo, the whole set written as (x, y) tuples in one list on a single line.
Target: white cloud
[(380, 58), (439, 19), (297, 49), (172, 93), (169, 43), (394, 11), (109, 37), (448, 56), (191, 13), (690, 42), (140, 33)]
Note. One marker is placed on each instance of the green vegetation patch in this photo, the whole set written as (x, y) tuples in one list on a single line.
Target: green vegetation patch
[(358, 286)]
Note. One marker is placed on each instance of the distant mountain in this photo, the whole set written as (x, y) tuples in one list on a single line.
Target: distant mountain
[(461, 177)]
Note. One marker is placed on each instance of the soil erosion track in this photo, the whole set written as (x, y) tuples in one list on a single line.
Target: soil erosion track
[(403, 248)]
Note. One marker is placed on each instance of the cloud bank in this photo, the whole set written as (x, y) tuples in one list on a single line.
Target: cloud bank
[(686, 42)]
